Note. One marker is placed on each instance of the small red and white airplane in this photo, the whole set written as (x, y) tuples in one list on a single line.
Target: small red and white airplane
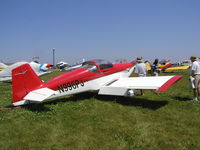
[(95, 75)]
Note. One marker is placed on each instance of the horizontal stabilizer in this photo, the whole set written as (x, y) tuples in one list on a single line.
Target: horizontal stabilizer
[(39, 95), (122, 85)]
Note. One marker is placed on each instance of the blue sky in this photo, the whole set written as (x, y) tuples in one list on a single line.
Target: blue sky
[(108, 29)]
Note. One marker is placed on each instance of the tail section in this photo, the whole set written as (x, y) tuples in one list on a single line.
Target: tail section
[(24, 80)]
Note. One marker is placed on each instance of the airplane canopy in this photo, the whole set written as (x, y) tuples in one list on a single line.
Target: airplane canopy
[(97, 64)]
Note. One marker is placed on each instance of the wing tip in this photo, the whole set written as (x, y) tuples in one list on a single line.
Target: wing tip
[(167, 84)]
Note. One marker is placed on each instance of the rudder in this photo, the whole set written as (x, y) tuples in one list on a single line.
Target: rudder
[(24, 80)]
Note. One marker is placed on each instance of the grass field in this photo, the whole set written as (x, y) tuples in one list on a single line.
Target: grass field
[(168, 121)]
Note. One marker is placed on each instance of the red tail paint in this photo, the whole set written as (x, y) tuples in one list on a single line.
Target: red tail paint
[(24, 80)]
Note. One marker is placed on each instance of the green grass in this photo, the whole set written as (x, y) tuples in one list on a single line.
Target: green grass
[(166, 121)]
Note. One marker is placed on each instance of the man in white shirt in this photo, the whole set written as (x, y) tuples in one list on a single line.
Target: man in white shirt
[(195, 73), (140, 70)]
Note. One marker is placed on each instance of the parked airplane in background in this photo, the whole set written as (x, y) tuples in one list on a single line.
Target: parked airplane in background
[(170, 67), (148, 65), (163, 64), (95, 75), (167, 66), (185, 63), (2, 66), (175, 68), (73, 67), (62, 65), (78, 65), (40, 69)]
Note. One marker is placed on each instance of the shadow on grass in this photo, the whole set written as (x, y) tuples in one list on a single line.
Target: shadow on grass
[(40, 107), (182, 98), (134, 101), (31, 107), (126, 101), (7, 82), (9, 107)]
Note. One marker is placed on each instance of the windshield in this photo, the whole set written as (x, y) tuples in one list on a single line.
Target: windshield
[(93, 65), (90, 66), (103, 64)]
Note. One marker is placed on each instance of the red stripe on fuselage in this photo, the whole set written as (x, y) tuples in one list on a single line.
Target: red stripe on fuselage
[(84, 75)]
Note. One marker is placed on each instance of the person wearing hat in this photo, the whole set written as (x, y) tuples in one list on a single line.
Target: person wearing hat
[(195, 73), (140, 69)]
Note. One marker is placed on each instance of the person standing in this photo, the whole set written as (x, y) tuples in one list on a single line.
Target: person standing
[(155, 68), (140, 70), (195, 73)]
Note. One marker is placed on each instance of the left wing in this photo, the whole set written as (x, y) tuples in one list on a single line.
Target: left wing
[(122, 85)]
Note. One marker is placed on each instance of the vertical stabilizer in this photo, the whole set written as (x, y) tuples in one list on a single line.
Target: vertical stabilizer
[(24, 80)]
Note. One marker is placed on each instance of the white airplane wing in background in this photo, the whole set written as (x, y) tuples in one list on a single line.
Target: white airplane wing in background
[(3, 66), (73, 67), (121, 86), (40, 69), (42, 73), (5, 75), (4, 78)]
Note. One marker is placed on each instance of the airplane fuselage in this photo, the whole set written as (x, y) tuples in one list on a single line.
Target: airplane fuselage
[(82, 80)]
